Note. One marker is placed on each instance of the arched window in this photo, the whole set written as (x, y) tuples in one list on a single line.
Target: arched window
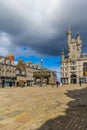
[(73, 79)]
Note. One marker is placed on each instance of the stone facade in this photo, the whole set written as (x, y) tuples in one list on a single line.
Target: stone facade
[(30, 69), (53, 78), (7, 72), (19, 74), (12, 74), (45, 76), (74, 65)]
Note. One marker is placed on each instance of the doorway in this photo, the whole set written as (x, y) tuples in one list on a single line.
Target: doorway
[(73, 79)]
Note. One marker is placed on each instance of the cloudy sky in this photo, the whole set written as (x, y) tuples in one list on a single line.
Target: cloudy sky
[(38, 27)]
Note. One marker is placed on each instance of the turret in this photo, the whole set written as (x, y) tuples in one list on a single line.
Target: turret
[(78, 37), (62, 55), (79, 43), (69, 39)]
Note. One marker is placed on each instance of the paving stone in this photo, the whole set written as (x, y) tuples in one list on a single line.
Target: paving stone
[(44, 108)]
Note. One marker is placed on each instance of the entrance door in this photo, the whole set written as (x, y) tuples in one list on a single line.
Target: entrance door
[(73, 79)]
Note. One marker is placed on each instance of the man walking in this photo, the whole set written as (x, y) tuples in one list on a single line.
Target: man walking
[(57, 83)]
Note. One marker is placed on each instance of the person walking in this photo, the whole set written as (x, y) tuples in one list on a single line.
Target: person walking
[(80, 82), (57, 83), (10, 85)]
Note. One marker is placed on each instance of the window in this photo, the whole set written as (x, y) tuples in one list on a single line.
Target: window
[(65, 74), (65, 68), (73, 47), (73, 62), (85, 68), (73, 68)]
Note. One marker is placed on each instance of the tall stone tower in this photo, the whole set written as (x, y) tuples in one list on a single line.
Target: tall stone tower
[(73, 65), (74, 45), (62, 55), (69, 33)]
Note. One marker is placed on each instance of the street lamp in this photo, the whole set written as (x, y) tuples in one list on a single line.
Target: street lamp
[(41, 62)]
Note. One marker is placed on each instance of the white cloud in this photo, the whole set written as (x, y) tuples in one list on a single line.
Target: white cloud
[(5, 43), (57, 70)]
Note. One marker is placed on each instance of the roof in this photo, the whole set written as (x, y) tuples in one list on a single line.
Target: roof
[(4, 57)]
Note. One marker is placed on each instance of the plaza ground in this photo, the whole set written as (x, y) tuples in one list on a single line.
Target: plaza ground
[(44, 108)]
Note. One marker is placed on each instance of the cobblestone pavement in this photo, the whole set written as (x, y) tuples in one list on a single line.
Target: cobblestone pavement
[(44, 108)]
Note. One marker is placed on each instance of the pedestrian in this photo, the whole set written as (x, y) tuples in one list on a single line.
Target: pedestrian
[(10, 85), (57, 83), (80, 83)]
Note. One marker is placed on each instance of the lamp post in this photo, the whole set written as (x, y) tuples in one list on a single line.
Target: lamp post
[(41, 62)]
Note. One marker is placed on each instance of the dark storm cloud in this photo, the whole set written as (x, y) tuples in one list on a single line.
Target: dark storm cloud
[(51, 47), (40, 25)]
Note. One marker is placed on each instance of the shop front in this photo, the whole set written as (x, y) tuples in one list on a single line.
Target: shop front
[(21, 81), (7, 82), (64, 80), (83, 79)]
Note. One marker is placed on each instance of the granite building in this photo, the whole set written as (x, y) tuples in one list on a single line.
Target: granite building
[(19, 74), (74, 64), (7, 72)]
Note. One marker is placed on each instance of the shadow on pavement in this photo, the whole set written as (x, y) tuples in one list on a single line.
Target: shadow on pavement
[(76, 114)]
